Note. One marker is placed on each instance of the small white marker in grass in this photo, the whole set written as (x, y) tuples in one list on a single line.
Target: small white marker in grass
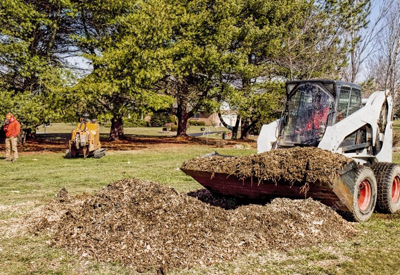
[(34, 159), (129, 162)]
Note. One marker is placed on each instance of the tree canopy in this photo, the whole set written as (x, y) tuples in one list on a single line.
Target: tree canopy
[(187, 56), (33, 39)]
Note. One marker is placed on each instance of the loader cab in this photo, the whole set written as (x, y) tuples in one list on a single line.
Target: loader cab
[(313, 105), (349, 101)]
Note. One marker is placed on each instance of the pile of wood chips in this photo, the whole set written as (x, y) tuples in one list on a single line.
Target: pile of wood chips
[(152, 227)]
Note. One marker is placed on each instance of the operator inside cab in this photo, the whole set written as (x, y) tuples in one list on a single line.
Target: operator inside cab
[(308, 111), (319, 114)]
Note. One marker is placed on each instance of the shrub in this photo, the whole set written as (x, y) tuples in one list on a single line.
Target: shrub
[(174, 128), (133, 122), (197, 123), (173, 119), (159, 119)]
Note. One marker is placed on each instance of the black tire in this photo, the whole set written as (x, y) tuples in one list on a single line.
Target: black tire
[(365, 194), (388, 177), (68, 154), (99, 153)]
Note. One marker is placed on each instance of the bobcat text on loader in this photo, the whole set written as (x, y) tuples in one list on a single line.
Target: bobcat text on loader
[(85, 140), (330, 115)]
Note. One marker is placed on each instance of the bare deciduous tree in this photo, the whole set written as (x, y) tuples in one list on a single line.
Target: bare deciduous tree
[(364, 41), (384, 65)]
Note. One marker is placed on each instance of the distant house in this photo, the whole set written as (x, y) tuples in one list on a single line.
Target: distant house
[(209, 119), (228, 116)]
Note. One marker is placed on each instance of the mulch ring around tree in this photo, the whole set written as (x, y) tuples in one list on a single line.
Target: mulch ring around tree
[(151, 227)]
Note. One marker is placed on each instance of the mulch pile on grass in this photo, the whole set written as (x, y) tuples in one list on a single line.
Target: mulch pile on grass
[(151, 227), (298, 164)]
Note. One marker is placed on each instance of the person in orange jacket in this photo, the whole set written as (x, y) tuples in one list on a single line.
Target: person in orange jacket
[(12, 129)]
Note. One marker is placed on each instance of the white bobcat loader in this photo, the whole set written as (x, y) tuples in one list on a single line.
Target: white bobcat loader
[(330, 115)]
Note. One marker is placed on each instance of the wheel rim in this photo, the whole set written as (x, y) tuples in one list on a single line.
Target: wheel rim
[(396, 189), (364, 195)]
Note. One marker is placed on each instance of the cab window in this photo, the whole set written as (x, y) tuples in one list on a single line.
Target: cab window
[(343, 105), (355, 101)]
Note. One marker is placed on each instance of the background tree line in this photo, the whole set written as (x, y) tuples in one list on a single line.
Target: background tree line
[(186, 56)]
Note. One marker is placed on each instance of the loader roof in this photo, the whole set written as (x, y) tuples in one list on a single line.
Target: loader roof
[(331, 85)]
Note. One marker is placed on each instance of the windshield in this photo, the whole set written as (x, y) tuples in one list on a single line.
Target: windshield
[(309, 107)]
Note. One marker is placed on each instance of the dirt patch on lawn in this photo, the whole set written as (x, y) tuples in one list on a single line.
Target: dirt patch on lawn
[(152, 227), (304, 165)]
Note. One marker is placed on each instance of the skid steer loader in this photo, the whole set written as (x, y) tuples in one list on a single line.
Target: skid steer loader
[(330, 115), (85, 140)]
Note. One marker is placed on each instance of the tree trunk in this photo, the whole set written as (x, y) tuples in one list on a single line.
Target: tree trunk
[(182, 126), (183, 117), (235, 129), (223, 122), (245, 129), (30, 134), (394, 68), (244, 133), (117, 128)]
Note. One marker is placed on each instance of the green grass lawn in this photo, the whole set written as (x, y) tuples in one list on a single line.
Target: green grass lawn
[(36, 178), (396, 126)]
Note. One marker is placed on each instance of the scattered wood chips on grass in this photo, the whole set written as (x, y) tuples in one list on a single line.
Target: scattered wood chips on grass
[(307, 165), (151, 227)]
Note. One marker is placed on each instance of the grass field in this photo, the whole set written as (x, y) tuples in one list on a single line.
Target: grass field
[(37, 177)]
